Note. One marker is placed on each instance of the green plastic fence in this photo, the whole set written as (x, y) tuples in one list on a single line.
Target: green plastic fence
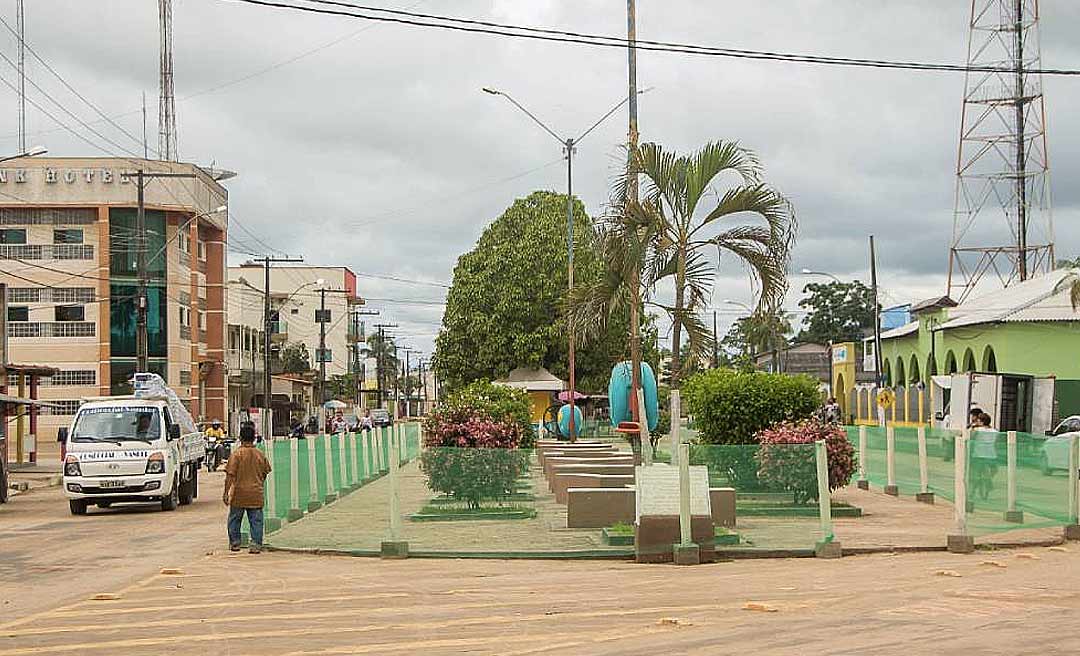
[(1041, 489)]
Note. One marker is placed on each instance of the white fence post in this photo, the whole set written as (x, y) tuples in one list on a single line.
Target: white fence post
[(828, 547), (960, 542), (1072, 531), (331, 495), (310, 445), (395, 497), (674, 438), (343, 463), (294, 482), (1012, 514), (890, 462), (271, 496), (355, 439), (643, 418), (924, 495), (862, 483)]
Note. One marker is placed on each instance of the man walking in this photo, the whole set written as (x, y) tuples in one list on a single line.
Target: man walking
[(244, 477)]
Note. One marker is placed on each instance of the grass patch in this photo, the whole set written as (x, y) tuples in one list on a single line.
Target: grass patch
[(451, 501), (460, 512)]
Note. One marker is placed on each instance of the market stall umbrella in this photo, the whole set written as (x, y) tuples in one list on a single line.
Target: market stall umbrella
[(335, 405), (565, 396)]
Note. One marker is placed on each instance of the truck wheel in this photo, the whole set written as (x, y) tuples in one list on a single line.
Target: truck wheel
[(78, 506), (173, 500), (195, 483), (187, 490)]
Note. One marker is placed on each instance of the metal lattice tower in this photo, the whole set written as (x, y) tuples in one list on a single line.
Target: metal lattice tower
[(20, 27), (1002, 222), (166, 103)]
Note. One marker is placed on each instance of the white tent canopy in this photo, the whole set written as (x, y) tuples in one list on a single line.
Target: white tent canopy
[(533, 380)]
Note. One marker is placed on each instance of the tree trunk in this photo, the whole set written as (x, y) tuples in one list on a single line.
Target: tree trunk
[(635, 348), (676, 324)]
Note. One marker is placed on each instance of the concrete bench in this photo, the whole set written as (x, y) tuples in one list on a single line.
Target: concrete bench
[(551, 463), (626, 469), (594, 507), (544, 454), (563, 482)]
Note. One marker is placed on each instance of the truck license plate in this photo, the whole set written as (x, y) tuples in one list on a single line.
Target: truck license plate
[(108, 484)]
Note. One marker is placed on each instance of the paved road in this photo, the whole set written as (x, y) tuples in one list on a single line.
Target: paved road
[(49, 557), (276, 603)]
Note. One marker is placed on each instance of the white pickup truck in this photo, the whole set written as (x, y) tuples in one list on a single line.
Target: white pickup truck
[(127, 449)]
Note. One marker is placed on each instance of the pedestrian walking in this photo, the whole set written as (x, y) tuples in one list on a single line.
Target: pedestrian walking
[(244, 477)]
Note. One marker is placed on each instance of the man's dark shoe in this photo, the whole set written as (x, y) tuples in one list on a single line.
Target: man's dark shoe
[(255, 549), (234, 547)]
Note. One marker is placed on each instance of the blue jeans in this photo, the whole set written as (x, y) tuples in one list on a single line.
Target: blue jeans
[(255, 521)]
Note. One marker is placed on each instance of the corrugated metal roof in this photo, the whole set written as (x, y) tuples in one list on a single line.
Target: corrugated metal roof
[(1045, 298), (905, 329)]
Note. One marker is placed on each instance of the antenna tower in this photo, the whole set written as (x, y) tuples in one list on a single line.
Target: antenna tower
[(166, 105), (20, 26), (1002, 223)]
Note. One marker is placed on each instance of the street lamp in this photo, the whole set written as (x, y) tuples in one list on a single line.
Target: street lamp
[(34, 151), (809, 272), (568, 145)]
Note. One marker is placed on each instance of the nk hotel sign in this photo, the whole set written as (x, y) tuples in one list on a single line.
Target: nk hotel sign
[(66, 176)]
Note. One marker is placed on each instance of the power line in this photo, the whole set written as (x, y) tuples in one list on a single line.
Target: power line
[(599, 40)]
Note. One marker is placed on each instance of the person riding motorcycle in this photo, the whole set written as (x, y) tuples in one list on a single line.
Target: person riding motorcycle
[(215, 444)]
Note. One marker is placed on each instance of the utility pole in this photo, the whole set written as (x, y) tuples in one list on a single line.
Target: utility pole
[(405, 380), (379, 366), (877, 318), (267, 425), (715, 341), (20, 26), (145, 146), (142, 347), (357, 368), (632, 144), (322, 317)]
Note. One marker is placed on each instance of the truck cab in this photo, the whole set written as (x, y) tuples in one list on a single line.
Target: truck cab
[(126, 449)]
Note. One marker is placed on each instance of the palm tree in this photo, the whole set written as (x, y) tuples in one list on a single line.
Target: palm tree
[(684, 210)]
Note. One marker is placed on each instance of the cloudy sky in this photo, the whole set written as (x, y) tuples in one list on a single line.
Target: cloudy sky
[(371, 145)]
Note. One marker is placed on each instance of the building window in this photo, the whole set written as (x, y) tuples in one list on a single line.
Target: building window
[(12, 236), (18, 313), (62, 408), (68, 236), (202, 250), (70, 313), (72, 378), (185, 376)]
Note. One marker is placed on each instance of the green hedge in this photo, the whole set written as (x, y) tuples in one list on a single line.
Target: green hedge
[(730, 407)]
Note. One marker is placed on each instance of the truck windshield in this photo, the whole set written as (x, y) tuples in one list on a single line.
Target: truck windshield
[(117, 423)]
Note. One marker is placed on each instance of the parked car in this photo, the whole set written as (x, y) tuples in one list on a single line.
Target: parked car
[(381, 417), (1055, 450)]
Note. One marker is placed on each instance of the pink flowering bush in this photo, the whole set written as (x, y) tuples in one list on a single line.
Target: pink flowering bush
[(782, 466), (473, 443)]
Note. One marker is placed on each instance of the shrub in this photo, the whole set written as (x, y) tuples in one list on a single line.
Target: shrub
[(731, 407), (795, 470), (473, 443)]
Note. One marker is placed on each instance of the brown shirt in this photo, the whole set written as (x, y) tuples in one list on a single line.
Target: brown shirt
[(244, 476)]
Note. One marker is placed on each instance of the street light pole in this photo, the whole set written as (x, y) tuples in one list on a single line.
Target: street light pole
[(568, 145)]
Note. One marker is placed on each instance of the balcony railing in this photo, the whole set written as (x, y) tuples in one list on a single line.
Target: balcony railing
[(52, 329), (47, 251)]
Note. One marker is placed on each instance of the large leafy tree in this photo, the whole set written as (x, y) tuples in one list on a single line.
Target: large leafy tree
[(505, 307), (838, 312), (295, 359)]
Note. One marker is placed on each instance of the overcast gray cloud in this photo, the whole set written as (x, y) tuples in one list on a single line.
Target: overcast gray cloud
[(381, 153)]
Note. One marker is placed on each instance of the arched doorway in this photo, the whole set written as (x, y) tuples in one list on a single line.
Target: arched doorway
[(913, 370), (900, 379), (989, 360), (931, 368), (969, 361), (886, 374), (950, 363)]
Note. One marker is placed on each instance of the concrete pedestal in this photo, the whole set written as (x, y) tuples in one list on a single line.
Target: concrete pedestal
[(1014, 516), (686, 554), (330, 498), (828, 549), (312, 506), (962, 544), (394, 550), (271, 524), (892, 490), (1072, 532), (925, 497), (294, 514), (863, 485)]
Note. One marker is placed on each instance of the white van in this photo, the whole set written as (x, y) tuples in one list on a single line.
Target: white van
[(127, 449)]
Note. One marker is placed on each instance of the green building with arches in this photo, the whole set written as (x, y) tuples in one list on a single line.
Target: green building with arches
[(1029, 328)]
